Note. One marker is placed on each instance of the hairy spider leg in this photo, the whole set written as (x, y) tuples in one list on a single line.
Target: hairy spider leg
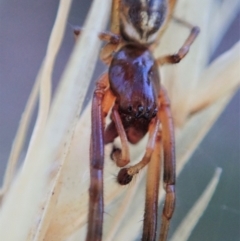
[(102, 102), (169, 164), (152, 192), (125, 175)]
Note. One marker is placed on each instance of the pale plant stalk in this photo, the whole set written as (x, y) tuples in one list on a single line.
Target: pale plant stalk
[(52, 188)]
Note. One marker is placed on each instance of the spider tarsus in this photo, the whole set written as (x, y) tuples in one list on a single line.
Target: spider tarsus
[(115, 151), (123, 177), (116, 156)]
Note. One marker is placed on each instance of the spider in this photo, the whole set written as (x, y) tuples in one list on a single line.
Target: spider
[(131, 90)]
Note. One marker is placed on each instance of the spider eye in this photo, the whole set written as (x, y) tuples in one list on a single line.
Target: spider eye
[(128, 118), (140, 108), (150, 74), (154, 113), (129, 109)]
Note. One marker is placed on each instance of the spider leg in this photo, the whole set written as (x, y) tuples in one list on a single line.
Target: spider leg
[(113, 44), (121, 157), (95, 214), (152, 192), (115, 18), (113, 41), (113, 38), (182, 52), (76, 31), (125, 175), (107, 36), (169, 165)]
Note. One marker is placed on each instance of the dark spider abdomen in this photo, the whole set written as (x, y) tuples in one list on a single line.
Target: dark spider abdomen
[(134, 80)]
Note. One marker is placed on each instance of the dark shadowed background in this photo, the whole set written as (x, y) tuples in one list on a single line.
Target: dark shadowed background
[(24, 31)]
